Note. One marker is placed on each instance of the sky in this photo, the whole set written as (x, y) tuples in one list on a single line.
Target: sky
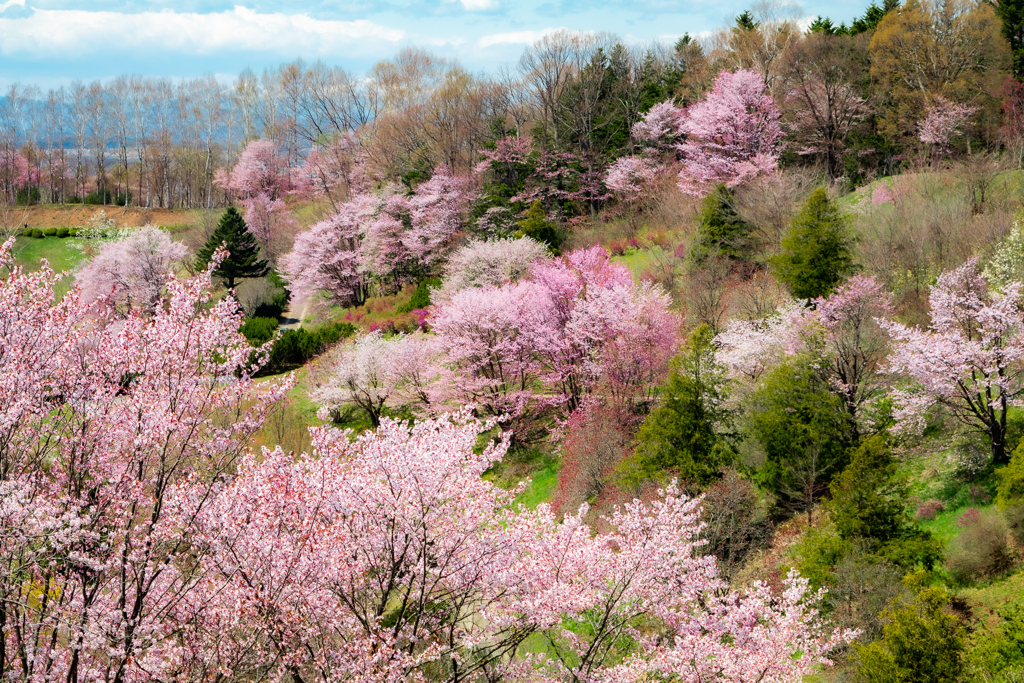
[(52, 42)]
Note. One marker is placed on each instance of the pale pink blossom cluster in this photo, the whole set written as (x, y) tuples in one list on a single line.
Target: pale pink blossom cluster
[(377, 237), (482, 263), (971, 360), (944, 121), (629, 177), (133, 271), (733, 134), (114, 442), (383, 557), (578, 320)]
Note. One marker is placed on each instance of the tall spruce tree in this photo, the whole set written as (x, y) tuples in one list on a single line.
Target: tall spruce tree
[(243, 259)]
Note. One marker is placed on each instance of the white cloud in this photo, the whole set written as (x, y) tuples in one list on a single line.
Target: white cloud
[(11, 3), (479, 5), (515, 37), (84, 32)]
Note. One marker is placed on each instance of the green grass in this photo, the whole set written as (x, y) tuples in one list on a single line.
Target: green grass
[(60, 253), (543, 483)]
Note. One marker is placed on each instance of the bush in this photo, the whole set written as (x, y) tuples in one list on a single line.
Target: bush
[(929, 509), (862, 585), (63, 232), (420, 297), (36, 232), (73, 199), (922, 642), (735, 523), (981, 549), (50, 232), (258, 331), (1013, 515), (295, 347)]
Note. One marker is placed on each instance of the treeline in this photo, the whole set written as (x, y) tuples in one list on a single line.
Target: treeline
[(852, 98)]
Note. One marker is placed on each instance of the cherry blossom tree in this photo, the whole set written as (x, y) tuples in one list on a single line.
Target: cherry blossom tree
[(267, 219), (490, 338), (969, 361), (115, 436), (662, 127), (732, 135), (436, 209), (374, 372), (389, 557), (334, 171), (489, 263), (629, 177), (943, 121), (596, 303), (132, 271), (260, 170), (327, 258)]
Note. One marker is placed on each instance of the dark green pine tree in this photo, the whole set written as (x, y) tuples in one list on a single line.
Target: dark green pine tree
[(243, 259)]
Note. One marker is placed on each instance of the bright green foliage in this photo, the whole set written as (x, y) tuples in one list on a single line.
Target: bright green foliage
[(258, 330), (922, 643), (536, 225), (745, 22), (816, 250), (683, 436), (420, 297), (804, 431), (1011, 480), (868, 502), (720, 228), (243, 259), (1002, 650)]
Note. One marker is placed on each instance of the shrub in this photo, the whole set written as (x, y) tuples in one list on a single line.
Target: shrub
[(295, 347), (63, 232), (27, 195), (597, 438), (980, 550), (1013, 515), (36, 232), (922, 642), (420, 297), (862, 585), (258, 330), (928, 510), (50, 232), (73, 199)]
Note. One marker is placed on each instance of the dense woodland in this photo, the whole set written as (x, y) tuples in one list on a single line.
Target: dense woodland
[(697, 363)]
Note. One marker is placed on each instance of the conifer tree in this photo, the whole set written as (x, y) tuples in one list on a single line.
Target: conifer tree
[(243, 259), (816, 253)]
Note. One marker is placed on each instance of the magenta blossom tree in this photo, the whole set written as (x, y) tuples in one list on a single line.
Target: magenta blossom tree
[(389, 556), (731, 135), (970, 360)]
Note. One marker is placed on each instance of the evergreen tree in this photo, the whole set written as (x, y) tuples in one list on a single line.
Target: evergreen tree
[(1011, 13), (721, 228), (804, 431), (816, 250), (536, 225), (869, 504), (243, 259), (745, 22), (682, 436)]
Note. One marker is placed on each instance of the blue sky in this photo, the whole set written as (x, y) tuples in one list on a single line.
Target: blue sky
[(51, 42)]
